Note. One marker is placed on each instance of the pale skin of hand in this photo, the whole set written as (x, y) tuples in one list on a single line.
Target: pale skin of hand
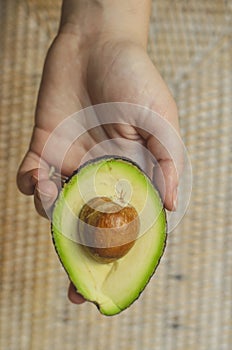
[(90, 64)]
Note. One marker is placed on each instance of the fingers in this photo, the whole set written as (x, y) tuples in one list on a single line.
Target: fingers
[(164, 143), (28, 175), (163, 139), (73, 296), (165, 178), (45, 194), (33, 179), (167, 149)]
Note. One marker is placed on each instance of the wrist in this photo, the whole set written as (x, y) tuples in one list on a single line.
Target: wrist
[(117, 19)]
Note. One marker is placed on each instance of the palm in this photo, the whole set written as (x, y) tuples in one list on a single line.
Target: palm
[(74, 79), (115, 72)]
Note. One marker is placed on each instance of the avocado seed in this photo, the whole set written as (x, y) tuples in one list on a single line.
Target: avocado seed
[(107, 229)]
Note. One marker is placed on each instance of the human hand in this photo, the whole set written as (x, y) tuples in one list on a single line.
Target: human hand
[(99, 55)]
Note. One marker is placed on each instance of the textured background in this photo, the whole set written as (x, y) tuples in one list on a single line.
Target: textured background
[(188, 304)]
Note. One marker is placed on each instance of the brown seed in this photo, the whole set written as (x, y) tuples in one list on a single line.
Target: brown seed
[(107, 229)]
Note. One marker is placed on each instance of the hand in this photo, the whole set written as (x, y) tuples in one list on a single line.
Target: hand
[(89, 64)]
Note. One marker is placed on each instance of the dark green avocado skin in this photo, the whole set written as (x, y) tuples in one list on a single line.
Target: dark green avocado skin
[(108, 157)]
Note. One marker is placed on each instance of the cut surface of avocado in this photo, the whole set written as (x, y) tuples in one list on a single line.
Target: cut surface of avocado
[(116, 285)]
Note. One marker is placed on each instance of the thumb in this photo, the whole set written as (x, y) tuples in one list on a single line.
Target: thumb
[(165, 144)]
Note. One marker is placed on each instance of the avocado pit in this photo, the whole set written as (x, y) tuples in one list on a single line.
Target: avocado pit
[(107, 229)]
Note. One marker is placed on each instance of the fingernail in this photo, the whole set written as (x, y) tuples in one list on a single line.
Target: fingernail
[(174, 199)]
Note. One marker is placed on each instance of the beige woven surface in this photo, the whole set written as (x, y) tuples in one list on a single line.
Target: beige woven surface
[(187, 305)]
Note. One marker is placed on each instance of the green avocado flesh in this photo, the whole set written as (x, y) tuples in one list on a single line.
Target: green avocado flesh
[(115, 285)]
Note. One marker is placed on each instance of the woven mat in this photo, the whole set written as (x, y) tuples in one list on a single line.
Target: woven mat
[(188, 304)]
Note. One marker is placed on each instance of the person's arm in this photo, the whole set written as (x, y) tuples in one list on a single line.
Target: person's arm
[(123, 20)]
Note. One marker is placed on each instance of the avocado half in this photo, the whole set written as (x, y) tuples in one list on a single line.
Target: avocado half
[(112, 286)]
